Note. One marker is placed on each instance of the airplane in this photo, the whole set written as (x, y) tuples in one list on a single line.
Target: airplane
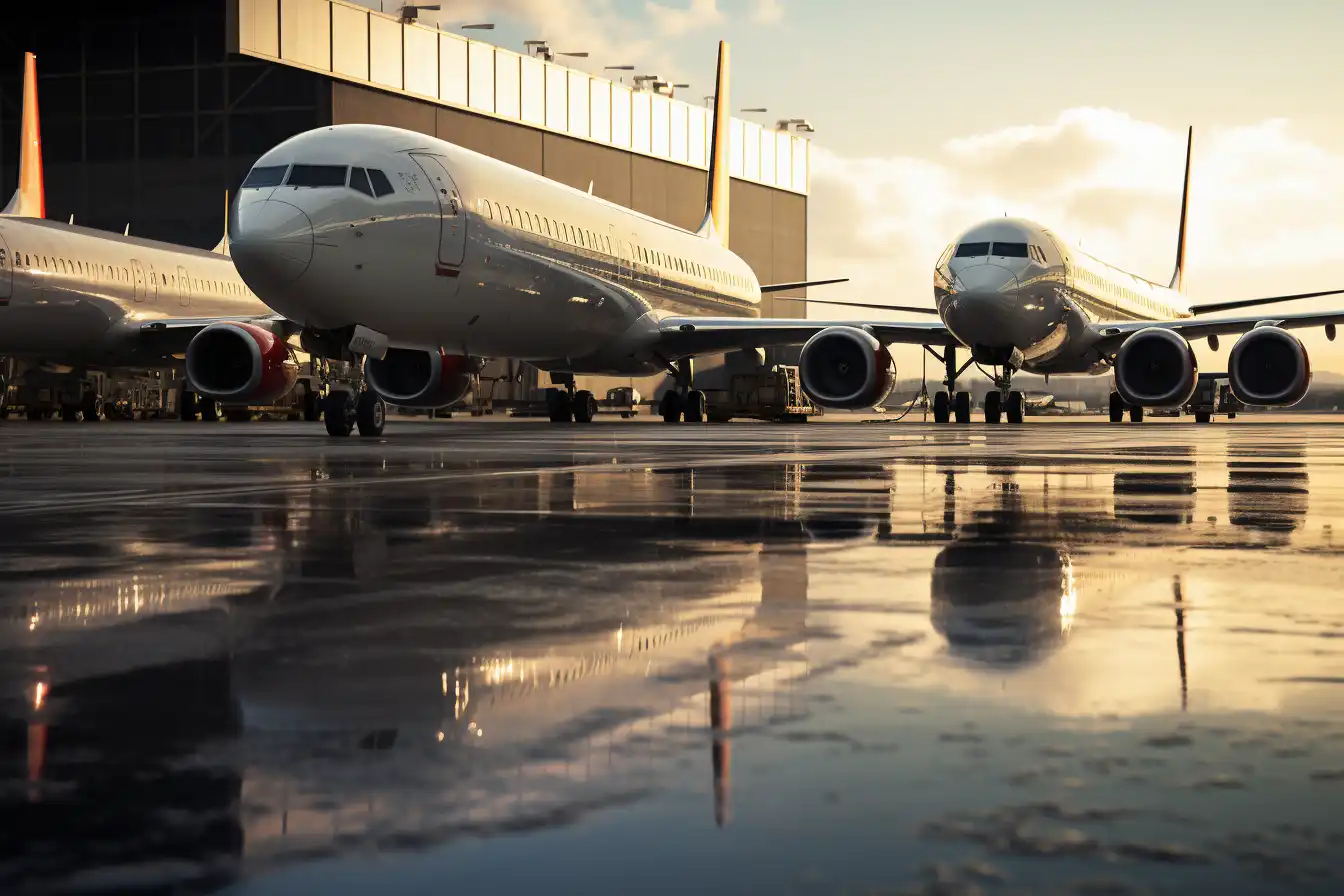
[(425, 257), (85, 298)]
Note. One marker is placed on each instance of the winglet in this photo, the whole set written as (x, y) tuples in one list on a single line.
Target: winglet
[(1178, 276), (29, 200), (222, 247), (715, 225)]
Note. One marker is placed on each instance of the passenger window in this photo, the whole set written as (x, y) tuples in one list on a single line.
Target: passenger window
[(499, 211), (360, 181), (486, 210), (381, 185)]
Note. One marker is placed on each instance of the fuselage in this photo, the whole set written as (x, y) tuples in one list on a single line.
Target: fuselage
[(465, 252), (77, 296), (1013, 292)]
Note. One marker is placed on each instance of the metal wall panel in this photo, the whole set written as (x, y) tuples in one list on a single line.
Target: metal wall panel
[(735, 148), (751, 151), (641, 123), (350, 42), (767, 160), (534, 90), (579, 122), (660, 117), (385, 45), (620, 115), (800, 164), (512, 143), (259, 27), (783, 160), (508, 84), (354, 104), (305, 32), (557, 98), (481, 76), (579, 163), (453, 69), (679, 149), (599, 109), (420, 52), (668, 192), (697, 136)]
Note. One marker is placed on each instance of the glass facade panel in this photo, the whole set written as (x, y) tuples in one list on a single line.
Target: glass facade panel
[(481, 76), (557, 98), (660, 117), (350, 42), (305, 32), (599, 109), (452, 69), (620, 116), (385, 46), (578, 105), (679, 151), (534, 90), (508, 85), (697, 136), (751, 151), (783, 163), (420, 49), (735, 148), (641, 124)]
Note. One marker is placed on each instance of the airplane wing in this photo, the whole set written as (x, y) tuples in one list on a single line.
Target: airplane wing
[(682, 336), (1114, 334), (171, 336)]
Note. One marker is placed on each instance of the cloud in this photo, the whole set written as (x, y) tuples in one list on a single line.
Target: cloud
[(674, 22), (767, 12)]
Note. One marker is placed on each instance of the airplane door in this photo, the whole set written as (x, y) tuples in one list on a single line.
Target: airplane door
[(183, 287), (152, 292), (453, 221), (138, 276), (6, 272)]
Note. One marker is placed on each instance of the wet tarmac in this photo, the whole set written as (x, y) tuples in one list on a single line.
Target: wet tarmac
[(633, 658)]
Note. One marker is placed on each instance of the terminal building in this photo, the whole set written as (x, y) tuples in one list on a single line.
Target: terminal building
[(151, 111)]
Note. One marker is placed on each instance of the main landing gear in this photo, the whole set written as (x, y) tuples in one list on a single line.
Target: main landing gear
[(565, 405), (1118, 408), (953, 405), (684, 402), (343, 411)]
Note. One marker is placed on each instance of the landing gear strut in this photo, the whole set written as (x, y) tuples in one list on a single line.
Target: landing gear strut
[(565, 405), (951, 403), (1005, 400)]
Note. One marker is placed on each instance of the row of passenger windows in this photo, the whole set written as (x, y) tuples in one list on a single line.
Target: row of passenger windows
[(369, 181), (115, 274), (587, 239), (1130, 295), (1001, 250)]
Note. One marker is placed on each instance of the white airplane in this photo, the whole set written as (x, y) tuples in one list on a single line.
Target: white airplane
[(85, 298), (425, 256)]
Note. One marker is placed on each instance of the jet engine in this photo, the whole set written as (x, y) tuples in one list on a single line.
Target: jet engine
[(240, 363), (417, 378), (1269, 366), (846, 368), (1156, 368)]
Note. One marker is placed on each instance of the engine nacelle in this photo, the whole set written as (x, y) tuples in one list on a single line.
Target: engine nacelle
[(1156, 368), (240, 363), (846, 368), (416, 378), (1269, 366)]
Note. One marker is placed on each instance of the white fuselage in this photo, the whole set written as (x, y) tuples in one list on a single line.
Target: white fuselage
[(471, 254), (1008, 284), (80, 297)]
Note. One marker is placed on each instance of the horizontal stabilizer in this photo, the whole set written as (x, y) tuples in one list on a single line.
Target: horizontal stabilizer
[(908, 309), (802, 284), (1251, 303)]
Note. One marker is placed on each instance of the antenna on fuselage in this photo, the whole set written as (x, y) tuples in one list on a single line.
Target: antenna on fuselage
[(127, 231), (1178, 276), (590, 188)]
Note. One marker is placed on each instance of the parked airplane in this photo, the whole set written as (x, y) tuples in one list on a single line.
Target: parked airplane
[(89, 299), (424, 256)]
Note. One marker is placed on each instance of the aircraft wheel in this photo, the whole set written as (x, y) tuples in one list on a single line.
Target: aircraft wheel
[(370, 414), (338, 411), (70, 413), (558, 406), (312, 406), (1117, 408), (1136, 414), (1231, 415), (670, 407), (1203, 416), (696, 406), (585, 406), (993, 407), (92, 407), (942, 407), (188, 404), (1017, 406), (963, 407), (211, 410)]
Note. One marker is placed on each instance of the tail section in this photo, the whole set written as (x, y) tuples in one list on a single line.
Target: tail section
[(1178, 276), (29, 200), (715, 226), (223, 246)]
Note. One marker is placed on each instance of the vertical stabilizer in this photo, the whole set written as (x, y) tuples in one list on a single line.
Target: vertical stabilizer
[(715, 226), (222, 247), (29, 200), (1178, 276)]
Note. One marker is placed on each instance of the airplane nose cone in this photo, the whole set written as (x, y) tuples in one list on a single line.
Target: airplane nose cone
[(983, 308), (984, 278), (271, 243)]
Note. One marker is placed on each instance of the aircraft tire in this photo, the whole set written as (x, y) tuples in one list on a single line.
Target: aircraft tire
[(370, 414), (696, 406), (70, 413), (210, 410), (993, 407), (963, 407), (558, 406), (670, 407), (92, 407), (585, 406), (312, 406), (1017, 406), (1117, 408), (1203, 416), (1135, 413), (337, 413), (942, 407)]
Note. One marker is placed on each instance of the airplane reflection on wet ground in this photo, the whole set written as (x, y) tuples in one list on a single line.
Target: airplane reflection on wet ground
[(744, 658)]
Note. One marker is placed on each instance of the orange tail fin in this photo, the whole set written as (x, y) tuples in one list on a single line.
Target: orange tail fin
[(715, 226), (29, 200)]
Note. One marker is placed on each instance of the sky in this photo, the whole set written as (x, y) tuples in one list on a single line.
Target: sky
[(932, 116)]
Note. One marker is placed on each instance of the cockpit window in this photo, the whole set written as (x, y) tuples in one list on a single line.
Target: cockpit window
[(266, 176), (316, 176), (971, 250), (381, 185), (360, 181), (1010, 250)]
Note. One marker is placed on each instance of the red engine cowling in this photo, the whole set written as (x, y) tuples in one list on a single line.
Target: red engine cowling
[(415, 378), (1269, 367), (240, 363), (1156, 368), (846, 368)]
